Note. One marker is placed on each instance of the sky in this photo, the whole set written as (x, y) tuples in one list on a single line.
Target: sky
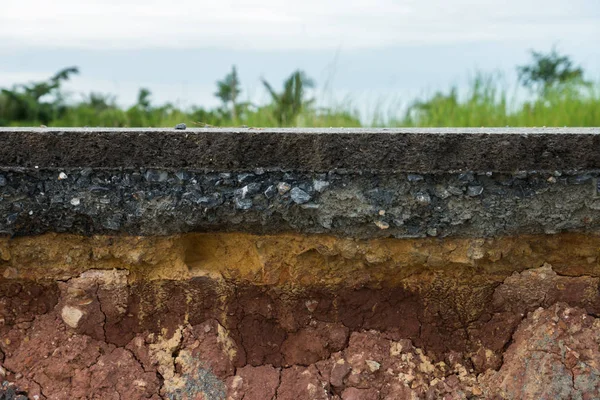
[(367, 52)]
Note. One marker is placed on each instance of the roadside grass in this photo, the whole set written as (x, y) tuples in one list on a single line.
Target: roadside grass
[(485, 103)]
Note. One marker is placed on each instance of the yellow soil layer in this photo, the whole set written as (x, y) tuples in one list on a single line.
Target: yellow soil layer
[(296, 260)]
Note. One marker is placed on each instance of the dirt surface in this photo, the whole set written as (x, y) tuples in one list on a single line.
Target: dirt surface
[(420, 150), (224, 317)]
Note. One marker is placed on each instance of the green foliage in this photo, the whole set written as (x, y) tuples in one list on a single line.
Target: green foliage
[(99, 102), (289, 103), (37, 101), (143, 102), (549, 71), (561, 98), (486, 104), (228, 91)]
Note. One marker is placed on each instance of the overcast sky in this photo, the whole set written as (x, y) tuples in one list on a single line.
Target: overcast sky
[(380, 48)]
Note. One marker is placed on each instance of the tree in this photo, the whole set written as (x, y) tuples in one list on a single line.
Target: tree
[(228, 91), (143, 101), (24, 102), (548, 71), (290, 102)]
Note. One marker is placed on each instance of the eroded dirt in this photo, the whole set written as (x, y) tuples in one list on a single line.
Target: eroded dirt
[(292, 317)]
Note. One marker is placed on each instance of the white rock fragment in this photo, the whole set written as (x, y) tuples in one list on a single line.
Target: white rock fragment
[(311, 305), (382, 224), (373, 365), (62, 176), (71, 316)]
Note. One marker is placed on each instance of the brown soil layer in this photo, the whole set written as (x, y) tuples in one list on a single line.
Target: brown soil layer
[(238, 316)]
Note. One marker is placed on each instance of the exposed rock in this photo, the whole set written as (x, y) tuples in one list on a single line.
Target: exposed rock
[(283, 187), (554, 355), (299, 196), (71, 316), (320, 186)]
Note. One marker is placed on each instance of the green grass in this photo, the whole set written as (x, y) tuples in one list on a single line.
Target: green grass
[(486, 104)]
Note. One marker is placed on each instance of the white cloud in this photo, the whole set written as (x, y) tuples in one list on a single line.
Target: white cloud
[(283, 24)]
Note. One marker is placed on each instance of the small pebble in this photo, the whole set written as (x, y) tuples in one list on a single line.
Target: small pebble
[(153, 175), (244, 177), (455, 190), (299, 196), (414, 178), (382, 224), (311, 305), (62, 176), (181, 127), (243, 204), (270, 192), (423, 198), (320, 185), (283, 187), (373, 365), (520, 174), (466, 177), (474, 190)]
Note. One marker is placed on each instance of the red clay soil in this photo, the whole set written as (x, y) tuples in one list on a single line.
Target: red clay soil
[(441, 334)]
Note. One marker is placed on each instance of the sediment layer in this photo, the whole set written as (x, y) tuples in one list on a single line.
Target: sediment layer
[(153, 202), (282, 264), (292, 316), (419, 150)]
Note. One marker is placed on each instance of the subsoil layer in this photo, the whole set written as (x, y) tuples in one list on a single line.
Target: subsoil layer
[(240, 316)]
